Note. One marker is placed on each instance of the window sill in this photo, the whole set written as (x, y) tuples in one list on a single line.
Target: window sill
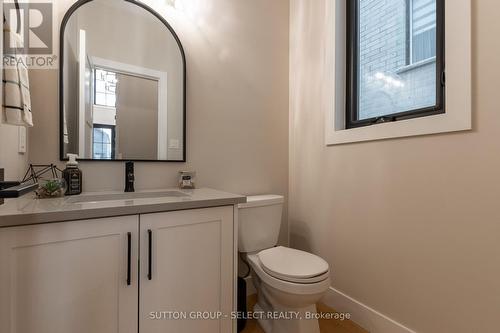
[(416, 65), (442, 123), (104, 107)]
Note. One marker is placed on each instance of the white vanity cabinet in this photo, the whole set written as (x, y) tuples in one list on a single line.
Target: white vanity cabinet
[(69, 277), (187, 267), (109, 275)]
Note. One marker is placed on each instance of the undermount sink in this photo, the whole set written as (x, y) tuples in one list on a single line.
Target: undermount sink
[(125, 196)]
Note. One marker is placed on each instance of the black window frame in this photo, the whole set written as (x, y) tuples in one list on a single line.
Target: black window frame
[(352, 71)]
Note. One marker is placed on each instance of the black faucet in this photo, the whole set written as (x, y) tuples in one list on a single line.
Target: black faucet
[(129, 177)]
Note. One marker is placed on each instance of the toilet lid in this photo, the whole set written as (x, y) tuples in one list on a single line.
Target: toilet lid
[(293, 265)]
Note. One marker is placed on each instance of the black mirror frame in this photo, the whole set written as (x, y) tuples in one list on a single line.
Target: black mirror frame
[(65, 20)]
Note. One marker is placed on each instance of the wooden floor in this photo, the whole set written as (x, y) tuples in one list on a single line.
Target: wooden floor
[(326, 326)]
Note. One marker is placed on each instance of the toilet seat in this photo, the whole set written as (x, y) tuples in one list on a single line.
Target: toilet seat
[(293, 265), (306, 287)]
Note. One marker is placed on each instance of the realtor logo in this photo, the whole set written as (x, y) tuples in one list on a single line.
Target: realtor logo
[(31, 28)]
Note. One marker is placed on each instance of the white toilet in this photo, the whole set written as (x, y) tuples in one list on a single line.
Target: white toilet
[(289, 282)]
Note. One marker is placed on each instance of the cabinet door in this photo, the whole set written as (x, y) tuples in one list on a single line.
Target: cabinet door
[(191, 270), (69, 277)]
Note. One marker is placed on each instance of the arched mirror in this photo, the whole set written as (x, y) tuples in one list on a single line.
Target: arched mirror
[(122, 84)]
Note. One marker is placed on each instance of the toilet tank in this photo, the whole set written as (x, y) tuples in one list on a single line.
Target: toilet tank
[(259, 222)]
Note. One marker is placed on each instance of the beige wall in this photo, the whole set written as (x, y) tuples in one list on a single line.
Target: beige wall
[(409, 226), (237, 61), (15, 164)]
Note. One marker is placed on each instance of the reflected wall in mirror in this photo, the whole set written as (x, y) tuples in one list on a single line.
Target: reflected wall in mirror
[(122, 84)]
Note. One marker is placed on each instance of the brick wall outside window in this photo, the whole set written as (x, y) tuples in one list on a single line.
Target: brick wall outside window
[(384, 87)]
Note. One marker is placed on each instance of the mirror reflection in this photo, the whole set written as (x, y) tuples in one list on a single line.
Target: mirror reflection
[(122, 80)]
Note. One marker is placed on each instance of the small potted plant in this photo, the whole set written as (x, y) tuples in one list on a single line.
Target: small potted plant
[(51, 188)]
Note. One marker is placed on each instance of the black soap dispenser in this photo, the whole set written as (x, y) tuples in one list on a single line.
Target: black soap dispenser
[(73, 176)]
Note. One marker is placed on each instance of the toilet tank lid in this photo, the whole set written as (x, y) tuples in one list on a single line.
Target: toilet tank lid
[(262, 200)]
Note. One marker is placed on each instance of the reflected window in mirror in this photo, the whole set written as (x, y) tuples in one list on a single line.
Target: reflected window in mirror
[(103, 142), (105, 88)]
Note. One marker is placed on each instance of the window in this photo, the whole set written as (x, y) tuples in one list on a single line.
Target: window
[(395, 60), (105, 88), (393, 81), (103, 142)]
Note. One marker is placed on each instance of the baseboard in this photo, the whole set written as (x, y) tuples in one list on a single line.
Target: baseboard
[(250, 287), (363, 315)]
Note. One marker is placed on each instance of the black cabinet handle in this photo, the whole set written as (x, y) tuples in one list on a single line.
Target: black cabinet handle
[(129, 258), (150, 259)]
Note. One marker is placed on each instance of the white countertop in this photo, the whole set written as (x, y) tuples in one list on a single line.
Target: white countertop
[(28, 210)]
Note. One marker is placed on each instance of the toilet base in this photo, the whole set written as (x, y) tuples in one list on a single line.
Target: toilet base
[(298, 325), (265, 324), (291, 304)]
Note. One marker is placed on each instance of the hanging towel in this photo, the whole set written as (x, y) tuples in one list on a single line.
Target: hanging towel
[(16, 102)]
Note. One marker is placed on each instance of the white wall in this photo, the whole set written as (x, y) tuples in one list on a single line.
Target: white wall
[(237, 103), (409, 226)]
